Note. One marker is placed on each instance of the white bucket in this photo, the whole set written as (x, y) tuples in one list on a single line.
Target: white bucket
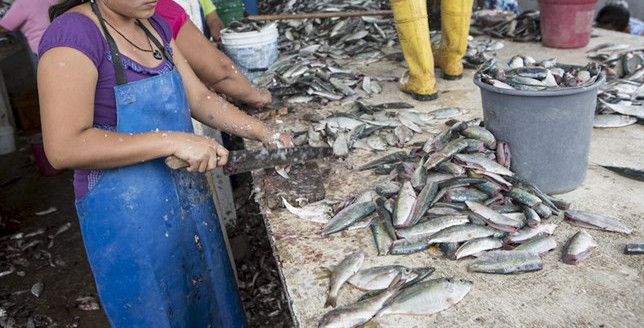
[(7, 140), (254, 51)]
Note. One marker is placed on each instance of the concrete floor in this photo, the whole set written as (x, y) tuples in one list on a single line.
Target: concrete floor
[(604, 291)]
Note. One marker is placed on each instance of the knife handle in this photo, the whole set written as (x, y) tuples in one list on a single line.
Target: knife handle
[(175, 162)]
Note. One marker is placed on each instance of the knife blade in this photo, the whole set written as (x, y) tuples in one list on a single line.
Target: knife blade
[(247, 160)]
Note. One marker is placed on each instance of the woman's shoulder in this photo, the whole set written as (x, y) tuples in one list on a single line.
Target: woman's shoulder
[(74, 30), (162, 27)]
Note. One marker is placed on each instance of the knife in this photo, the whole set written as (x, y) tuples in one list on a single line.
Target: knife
[(247, 160)]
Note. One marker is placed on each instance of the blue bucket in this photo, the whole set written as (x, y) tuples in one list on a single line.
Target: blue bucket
[(253, 52)]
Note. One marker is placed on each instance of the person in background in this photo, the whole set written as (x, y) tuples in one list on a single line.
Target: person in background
[(212, 66), (412, 26), (116, 99), (615, 16), (29, 17), (211, 22)]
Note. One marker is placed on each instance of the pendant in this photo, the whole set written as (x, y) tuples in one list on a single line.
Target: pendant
[(157, 54)]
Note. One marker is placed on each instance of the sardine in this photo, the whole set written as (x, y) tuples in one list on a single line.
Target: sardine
[(341, 273), (348, 216), (578, 248), (528, 233), (380, 277), (404, 205), (493, 218), (506, 262), (432, 226), (316, 212), (355, 314), (595, 221), (425, 298), (477, 245), (461, 233), (540, 246), (383, 231)]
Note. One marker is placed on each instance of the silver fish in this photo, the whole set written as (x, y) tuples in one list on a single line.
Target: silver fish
[(595, 221), (380, 277), (360, 312), (319, 212), (477, 245), (506, 262), (529, 233), (348, 216), (493, 218), (428, 297), (461, 233), (432, 226), (421, 203), (578, 248), (383, 231), (540, 246), (613, 121), (404, 205), (341, 273), (37, 289), (479, 160)]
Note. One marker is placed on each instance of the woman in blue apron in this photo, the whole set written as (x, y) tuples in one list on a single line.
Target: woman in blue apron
[(113, 107)]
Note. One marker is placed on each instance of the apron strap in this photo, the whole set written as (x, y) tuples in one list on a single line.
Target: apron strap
[(114, 50)]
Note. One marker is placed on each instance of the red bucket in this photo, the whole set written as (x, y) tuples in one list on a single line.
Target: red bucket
[(566, 23), (38, 149)]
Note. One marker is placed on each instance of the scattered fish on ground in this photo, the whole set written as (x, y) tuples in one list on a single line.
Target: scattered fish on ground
[(578, 248)]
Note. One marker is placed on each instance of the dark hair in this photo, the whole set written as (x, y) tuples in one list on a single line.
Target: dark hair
[(63, 6), (614, 15)]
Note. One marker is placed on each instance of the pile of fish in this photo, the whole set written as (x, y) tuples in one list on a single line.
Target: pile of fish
[(310, 48), (306, 77), (372, 127), (620, 101), (18, 253), (526, 74), (522, 28), (392, 289), (244, 25), (458, 194)]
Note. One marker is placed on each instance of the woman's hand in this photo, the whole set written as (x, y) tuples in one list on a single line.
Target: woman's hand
[(278, 140), (261, 98), (203, 154)]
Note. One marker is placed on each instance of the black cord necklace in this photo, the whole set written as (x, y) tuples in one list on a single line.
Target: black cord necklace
[(155, 52)]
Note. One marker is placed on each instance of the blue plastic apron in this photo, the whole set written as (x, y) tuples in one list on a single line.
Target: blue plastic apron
[(151, 234)]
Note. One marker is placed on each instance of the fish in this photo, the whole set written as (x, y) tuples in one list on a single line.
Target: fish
[(631, 173), (469, 194), (532, 217), (421, 273), (319, 212), (506, 262), (634, 248), (477, 132), (461, 233), (524, 197), (529, 233), (477, 245), (383, 231), (37, 289), (356, 314), (578, 248), (428, 297), (492, 218), (421, 204), (341, 273), (404, 205), (591, 220), (380, 277), (540, 246), (432, 226), (479, 160), (613, 121), (348, 216)]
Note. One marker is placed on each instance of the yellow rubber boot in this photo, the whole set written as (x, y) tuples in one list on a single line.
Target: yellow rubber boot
[(413, 31), (455, 27)]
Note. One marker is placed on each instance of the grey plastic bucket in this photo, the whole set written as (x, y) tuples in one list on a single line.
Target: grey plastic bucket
[(548, 131)]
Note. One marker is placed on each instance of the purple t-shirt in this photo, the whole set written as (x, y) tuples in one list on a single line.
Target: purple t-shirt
[(75, 30)]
